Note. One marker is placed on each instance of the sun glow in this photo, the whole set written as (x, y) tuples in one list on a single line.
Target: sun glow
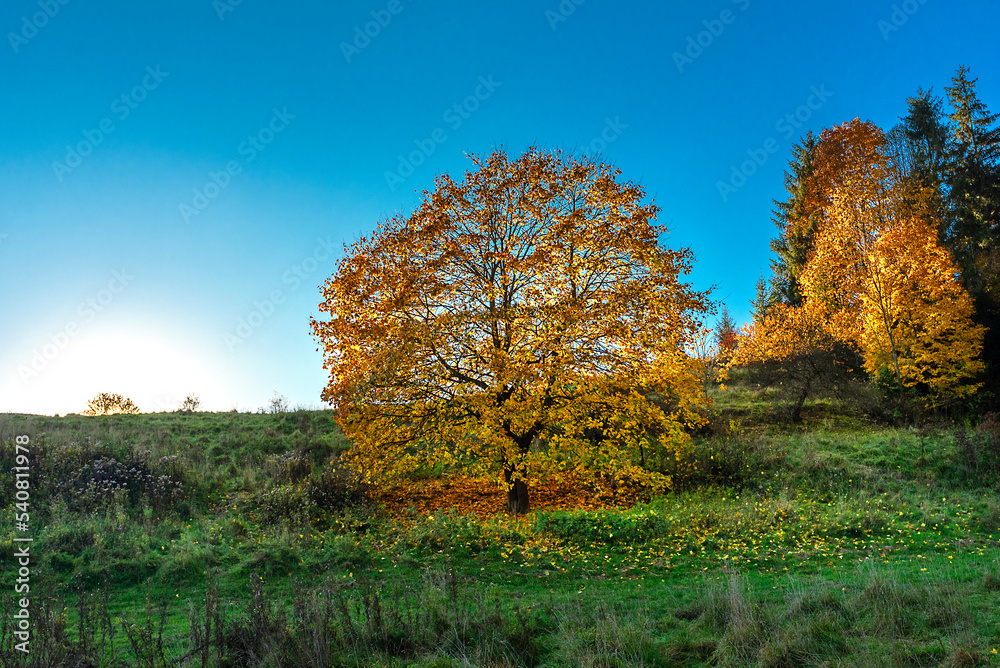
[(154, 374)]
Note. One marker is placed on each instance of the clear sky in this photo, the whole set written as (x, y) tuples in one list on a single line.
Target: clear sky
[(177, 178)]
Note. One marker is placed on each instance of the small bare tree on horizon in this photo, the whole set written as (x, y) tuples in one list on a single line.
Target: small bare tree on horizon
[(278, 403), (191, 403)]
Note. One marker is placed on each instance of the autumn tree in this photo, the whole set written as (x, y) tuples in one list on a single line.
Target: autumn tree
[(507, 319), (871, 277), (793, 350), (106, 403), (788, 346), (877, 267)]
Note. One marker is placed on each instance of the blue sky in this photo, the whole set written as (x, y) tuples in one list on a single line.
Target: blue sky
[(177, 179)]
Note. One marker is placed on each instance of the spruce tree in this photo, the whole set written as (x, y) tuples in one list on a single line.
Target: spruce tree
[(726, 335), (927, 131), (796, 220), (972, 172), (972, 175)]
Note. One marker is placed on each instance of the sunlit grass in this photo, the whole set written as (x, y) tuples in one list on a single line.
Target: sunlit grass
[(837, 541)]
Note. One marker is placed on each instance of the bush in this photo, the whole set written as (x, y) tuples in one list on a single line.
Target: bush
[(110, 404), (98, 483), (978, 451), (327, 491), (277, 404), (191, 403)]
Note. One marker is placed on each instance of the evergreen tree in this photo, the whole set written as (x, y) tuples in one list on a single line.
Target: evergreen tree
[(972, 172), (927, 131), (764, 300), (726, 335), (796, 219), (972, 175)]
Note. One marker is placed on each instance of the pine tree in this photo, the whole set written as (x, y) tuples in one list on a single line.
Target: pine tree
[(973, 170), (927, 131), (973, 178), (796, 219)]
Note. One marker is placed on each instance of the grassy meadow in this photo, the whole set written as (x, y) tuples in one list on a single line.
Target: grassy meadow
[(233, 539)]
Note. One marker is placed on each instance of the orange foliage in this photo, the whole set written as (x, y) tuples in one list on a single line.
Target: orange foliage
[(784, 333), (517, 321), (890, 288), (478, 495), (876, 278)]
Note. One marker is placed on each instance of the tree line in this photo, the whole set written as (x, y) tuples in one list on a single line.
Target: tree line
[(886, 258), (529, 321)]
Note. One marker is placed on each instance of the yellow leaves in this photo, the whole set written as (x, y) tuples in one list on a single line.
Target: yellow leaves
[(877, 269), (507, 312), (579, 489), (784, 333)]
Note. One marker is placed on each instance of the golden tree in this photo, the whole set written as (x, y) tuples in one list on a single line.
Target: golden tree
[(879, 270), (795, 348), (106, 403), (522, 321)]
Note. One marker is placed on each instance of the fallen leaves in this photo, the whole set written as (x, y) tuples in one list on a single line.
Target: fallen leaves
[(481, 496)]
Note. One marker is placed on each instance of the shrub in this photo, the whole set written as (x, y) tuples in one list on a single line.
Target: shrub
[(979, 451), (110, 404), (278, 404), (98, 483), (191, 403), (299, 502)]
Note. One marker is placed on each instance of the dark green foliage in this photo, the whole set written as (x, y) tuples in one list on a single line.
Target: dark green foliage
[(973, 180), (603, 527), (921, 145), (796, 219)]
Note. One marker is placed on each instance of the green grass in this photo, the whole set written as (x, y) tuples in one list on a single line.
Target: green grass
[(229, 540)]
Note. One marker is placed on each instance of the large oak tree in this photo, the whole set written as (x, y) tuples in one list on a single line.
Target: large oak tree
[(524, 320)]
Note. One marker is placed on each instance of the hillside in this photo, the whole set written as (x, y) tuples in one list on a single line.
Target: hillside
[(840, 541)]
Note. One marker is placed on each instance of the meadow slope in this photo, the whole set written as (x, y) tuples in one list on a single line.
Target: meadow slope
[(235, 539)]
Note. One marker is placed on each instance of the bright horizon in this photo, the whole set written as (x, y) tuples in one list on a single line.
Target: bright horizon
[(177, 181)]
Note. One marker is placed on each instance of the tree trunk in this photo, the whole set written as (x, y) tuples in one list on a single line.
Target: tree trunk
[(517, 493), (797, 406)]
